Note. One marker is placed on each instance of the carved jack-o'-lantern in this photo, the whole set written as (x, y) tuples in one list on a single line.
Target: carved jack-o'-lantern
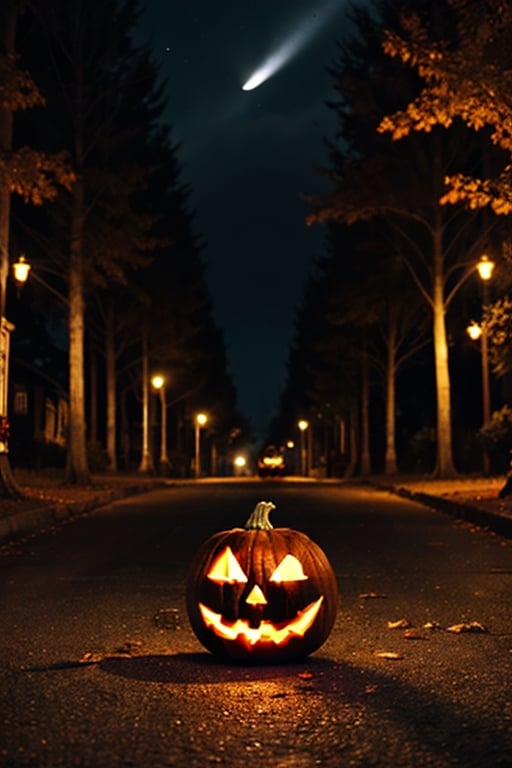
[(261, 594)]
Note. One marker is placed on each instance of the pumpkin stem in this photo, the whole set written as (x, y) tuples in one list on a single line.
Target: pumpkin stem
[(259, 518)]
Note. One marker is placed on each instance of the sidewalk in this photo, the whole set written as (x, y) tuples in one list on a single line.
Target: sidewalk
[(47, 501), (470, 498)]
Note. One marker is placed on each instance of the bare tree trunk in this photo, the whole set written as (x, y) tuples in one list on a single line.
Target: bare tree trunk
[(125, 432), (146, 465), (365, 468), (390, 463), (93, 392), (110, 373), (352, 441), (8, 486), (77, 469), (444, 464)]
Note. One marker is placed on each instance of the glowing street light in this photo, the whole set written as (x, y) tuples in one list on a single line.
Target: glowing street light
[(240, 464), (485, 268), (21, 270), (475, 331), (158, 383), (303, 426), (200, 421)]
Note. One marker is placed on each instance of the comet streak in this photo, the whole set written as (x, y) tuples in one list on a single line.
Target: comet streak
[(298, 40)]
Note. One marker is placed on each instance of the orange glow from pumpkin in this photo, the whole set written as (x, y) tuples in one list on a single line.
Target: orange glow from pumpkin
[(226, 570), (265, 632), (289, 569), (256, 597)]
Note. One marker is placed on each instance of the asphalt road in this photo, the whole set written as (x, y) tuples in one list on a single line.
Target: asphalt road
[(100, 669)]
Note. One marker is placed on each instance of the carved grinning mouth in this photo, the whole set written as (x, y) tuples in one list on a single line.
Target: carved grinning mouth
[(265, 632)]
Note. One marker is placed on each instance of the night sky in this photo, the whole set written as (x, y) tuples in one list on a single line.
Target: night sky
[(247, 156)]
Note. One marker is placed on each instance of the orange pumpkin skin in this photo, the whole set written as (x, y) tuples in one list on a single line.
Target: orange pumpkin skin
[(261, 594)]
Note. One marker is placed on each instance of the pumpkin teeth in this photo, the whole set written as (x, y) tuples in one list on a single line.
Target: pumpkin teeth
[(265, 632)]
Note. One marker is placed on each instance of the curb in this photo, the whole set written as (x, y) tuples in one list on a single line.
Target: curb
[(35, 520), (40, 517), (498, 523)]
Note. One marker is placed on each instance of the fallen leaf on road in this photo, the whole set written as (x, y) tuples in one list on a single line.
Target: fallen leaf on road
[(470, 626), (92, 658), (431, 625), (370, 595), (413, 634), (390, 655), (400, 624), (305, 675)]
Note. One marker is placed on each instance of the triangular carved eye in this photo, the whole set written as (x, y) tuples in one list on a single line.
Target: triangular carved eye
[(289, 569), (226, 569)]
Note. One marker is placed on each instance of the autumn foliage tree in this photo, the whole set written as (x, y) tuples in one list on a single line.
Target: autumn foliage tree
[(403, 183), (34, 175), (121, 239), (97, 232), (467, 77)]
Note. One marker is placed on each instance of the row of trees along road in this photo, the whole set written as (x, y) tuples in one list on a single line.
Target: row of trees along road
[(117, 241), (421, 176)]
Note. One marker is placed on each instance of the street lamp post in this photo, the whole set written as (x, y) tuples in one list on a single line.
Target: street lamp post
[(8, 486), (485, 268), (200, 421), (158, 383), (303, 426), (477, 331)]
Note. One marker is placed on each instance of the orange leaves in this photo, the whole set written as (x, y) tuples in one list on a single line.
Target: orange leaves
[(371, 595), (399, 624), (431, 108), (501, 207), (395, 47), (34, 175), (398, 126), (478, 193), (467, 626), (471, 80), (388, 655), (17, 89), (473, 192), (411, 633)]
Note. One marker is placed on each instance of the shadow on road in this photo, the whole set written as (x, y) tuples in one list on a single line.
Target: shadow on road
[(456, 731), (443, 725), (202, 668)]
